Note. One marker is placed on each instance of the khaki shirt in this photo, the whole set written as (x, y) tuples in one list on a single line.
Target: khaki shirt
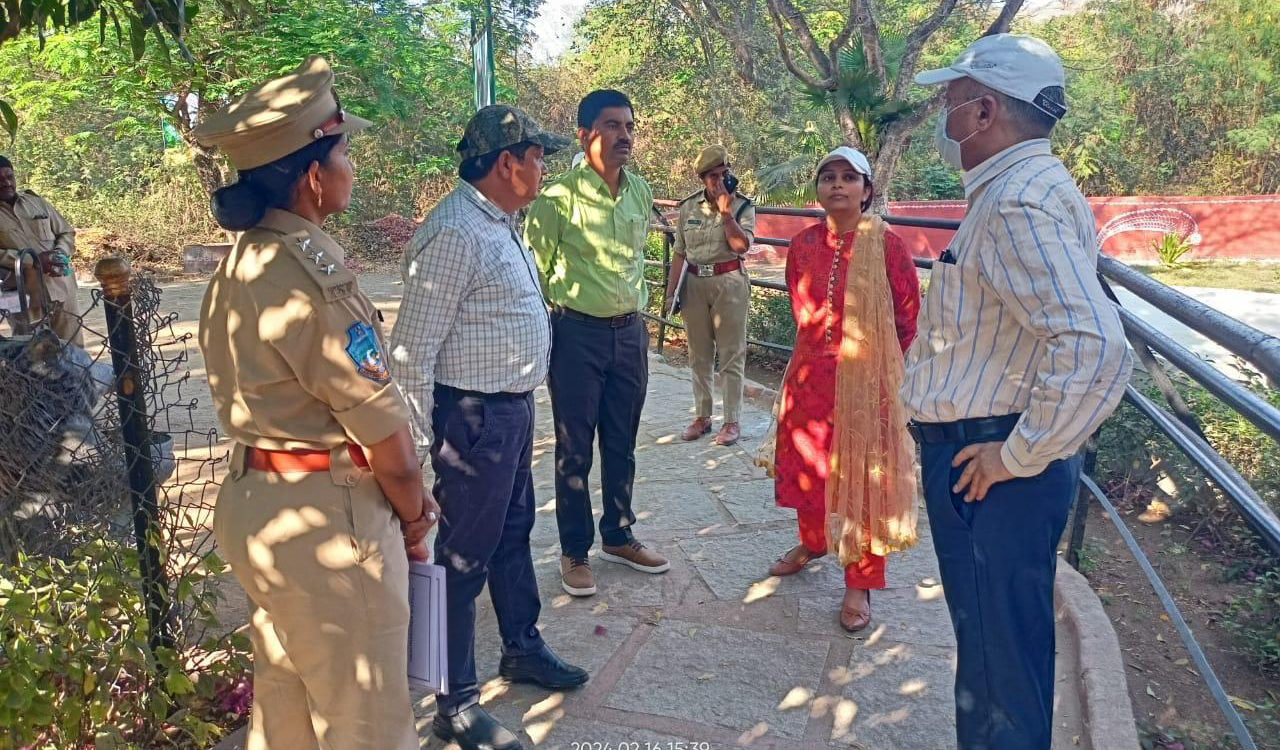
[(33, 223), (295, 354), (700, 231)]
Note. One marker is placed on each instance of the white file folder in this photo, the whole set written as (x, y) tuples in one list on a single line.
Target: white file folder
[(428, 657)]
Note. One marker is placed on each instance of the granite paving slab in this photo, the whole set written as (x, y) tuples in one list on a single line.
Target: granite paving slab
[(721, 676)]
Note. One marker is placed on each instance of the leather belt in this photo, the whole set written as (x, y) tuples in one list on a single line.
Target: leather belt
[(617, 321), (280, 462), (498, 396), (976, 430), (729, 266)]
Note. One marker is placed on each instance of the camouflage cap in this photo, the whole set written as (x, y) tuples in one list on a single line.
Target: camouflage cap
[(499, 126), (710, 158)]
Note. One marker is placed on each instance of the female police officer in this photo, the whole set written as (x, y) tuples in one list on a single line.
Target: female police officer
[(324, 496)]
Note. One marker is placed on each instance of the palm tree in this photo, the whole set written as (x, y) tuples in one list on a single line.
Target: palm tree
[(859, 100)]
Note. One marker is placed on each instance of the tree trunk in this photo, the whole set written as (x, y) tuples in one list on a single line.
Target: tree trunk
[(892, 144), (848, 128), (207, 169), (744, 63)]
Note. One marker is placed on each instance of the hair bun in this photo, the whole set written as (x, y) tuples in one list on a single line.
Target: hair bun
[(238, 206)]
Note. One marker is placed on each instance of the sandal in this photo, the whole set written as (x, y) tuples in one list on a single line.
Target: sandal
[(853, 620), (789, 564)]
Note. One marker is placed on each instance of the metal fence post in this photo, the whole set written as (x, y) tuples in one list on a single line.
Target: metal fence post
[(666, 271), (115, 276), (1081, 514)]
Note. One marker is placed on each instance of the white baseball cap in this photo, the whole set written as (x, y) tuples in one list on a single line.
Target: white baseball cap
[(849, 154), (1013, 64)]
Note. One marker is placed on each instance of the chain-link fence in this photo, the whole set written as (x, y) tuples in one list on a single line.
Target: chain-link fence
[(108, 581)]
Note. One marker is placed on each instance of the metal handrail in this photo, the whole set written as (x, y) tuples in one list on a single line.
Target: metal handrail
[(1175, 618), (1262, 414), (1259, 348)]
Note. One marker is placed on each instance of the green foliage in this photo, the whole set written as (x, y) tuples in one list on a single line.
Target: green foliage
[(769, 318), (1090, 557), (99, 151), (1132, 454), (1167, 101), (75, 669), (861, 90), (1170, 248), (164, 21), (792, 182), (1254, 619)]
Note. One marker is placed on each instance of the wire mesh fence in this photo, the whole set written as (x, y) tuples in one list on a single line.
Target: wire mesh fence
[(109, 629)]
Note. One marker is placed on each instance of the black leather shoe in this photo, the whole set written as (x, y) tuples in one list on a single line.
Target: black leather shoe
[(474, 729), (542, 668)]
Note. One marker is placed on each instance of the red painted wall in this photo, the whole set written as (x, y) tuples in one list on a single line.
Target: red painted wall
[(1229, 227)]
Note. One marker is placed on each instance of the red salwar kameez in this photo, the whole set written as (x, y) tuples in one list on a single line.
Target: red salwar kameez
[(817, 274)]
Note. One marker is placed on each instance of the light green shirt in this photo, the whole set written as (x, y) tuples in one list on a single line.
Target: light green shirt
[(589, 246)]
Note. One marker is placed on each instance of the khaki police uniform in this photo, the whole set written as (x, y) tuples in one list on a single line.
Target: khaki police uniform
[(714, 307), (33, 223), (293, 351)]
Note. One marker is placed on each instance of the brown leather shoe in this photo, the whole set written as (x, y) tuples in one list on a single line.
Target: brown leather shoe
[(854, 619), (794, 561), (576, 577), (633, 554), (729, 434), (699, 427)]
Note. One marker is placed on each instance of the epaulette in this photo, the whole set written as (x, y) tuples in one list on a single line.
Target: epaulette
[(335, 280), (691, 197)]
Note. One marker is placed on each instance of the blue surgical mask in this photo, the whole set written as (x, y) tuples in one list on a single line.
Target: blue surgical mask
[(948, 147)]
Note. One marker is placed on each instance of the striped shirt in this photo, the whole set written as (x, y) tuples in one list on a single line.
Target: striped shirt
[(1018, 322), (472, 315)]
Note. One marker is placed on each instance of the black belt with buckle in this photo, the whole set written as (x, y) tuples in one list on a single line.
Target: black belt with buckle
[(617, 321), (976, 430), (498, 396)]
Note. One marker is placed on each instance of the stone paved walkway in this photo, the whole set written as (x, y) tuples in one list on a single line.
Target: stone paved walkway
[(716, 653)]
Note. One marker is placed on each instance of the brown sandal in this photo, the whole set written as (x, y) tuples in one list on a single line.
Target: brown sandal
[(785, 566), (852, 620)]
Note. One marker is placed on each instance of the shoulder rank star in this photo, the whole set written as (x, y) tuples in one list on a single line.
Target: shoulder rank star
[(303, 244), (328, 270), (316, 256)]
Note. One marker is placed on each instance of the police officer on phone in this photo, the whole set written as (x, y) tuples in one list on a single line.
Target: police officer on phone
[(715, 229)]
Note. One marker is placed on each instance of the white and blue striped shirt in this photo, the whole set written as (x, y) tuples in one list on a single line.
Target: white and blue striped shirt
[(1019, 322)]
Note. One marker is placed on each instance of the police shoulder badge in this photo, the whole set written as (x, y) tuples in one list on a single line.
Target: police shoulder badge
[(362, 348)]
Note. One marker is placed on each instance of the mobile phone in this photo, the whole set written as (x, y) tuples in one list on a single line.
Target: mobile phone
[(730, 183)]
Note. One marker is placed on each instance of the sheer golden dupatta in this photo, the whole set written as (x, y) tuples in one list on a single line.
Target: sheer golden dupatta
[(871, 488)]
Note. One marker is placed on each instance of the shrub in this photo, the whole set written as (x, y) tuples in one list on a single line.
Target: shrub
[(769, 318), (75, 668), (1253, 619), (1133, 458), (1170, 248), (1131, 451)]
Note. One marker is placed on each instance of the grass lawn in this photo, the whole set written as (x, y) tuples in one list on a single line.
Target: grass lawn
[(1246, 275)]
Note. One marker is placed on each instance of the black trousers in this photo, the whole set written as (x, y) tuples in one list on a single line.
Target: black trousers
[(998, 558), (598, 380), (481, 454)]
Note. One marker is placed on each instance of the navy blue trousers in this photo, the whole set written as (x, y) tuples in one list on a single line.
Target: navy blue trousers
[(998, 558), (598, 382), (481, 453)]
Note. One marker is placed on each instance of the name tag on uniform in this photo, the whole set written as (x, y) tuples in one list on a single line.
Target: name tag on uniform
[(693, 223)]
